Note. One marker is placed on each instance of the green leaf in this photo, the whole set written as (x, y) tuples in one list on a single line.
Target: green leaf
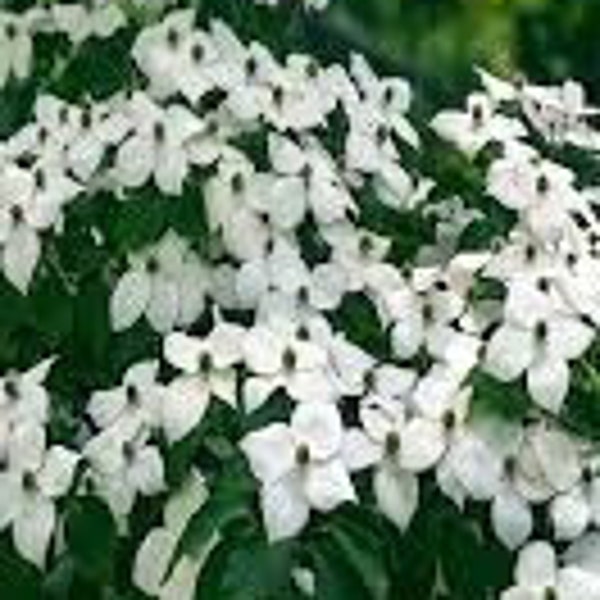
[(229, 501), (91, 537), (19, 580), (362, 548)]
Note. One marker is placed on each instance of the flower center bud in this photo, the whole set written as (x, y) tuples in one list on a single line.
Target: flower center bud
[(543, 285), (388, 96), (278, 95), (449, 420), (11, 31), (205, 363), (477, 115), (29, 481), (172, 38), (381, 135), (289, 360), (129, 451), (251, 67), (133, 396), (542, 185), (392, 443), (302, 455), (303, 333), (365, 245), (530, 253), (11, 389), (197, 53), (510, 466), (237, 183), (16, 214), (550, 594), (303, 295), (40, 179), (159, 132), (541, 332), (152, 265)]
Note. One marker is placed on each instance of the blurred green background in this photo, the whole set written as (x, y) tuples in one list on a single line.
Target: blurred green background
[(437, 42)]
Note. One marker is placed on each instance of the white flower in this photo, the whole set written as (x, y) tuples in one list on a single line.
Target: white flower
[(136, 402), (308, 182), (156, 147), (480, 124), (539, 577), (156, 551), (389, 98), (300, 467), (159, 49), (542, 350), (209, 370), (165, 283), (30, 202), (233, 199), (36, 477), (16, 47), (100, 18), (120, 469), (400, 447), (279, 360), (23, 397)]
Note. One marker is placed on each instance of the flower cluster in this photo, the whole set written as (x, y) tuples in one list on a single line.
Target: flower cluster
[(257, 318)]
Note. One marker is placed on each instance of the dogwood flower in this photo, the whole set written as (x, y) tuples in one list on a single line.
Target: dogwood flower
[(136, 403), (163, 283), (276, 360), (119, 470), (35, 479), (209, 370), (538, 575), (16, 47), (300, 468), (30, 202), (100, 18), (542, 350), (156, 147), (151, 566)]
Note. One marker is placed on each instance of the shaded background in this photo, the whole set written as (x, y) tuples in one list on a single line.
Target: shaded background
[(436, 42)]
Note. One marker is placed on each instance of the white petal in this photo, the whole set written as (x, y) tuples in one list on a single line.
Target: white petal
[(397, 495), (129, 299), (512, 519), (558, 457), (152, 560), (10, 497), (285, 510), (287, 203), (422, 444), (327, 485), (186, 402), (509, 352), (319, 426), (21, 255), (27, 446), (358, 450), (163, 308), (135, 161), (183, 351), (270, 452), (33, 528), (146, 474), (263, 351), (548, 383), (536, 565), (570, 514), (57, 474)]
